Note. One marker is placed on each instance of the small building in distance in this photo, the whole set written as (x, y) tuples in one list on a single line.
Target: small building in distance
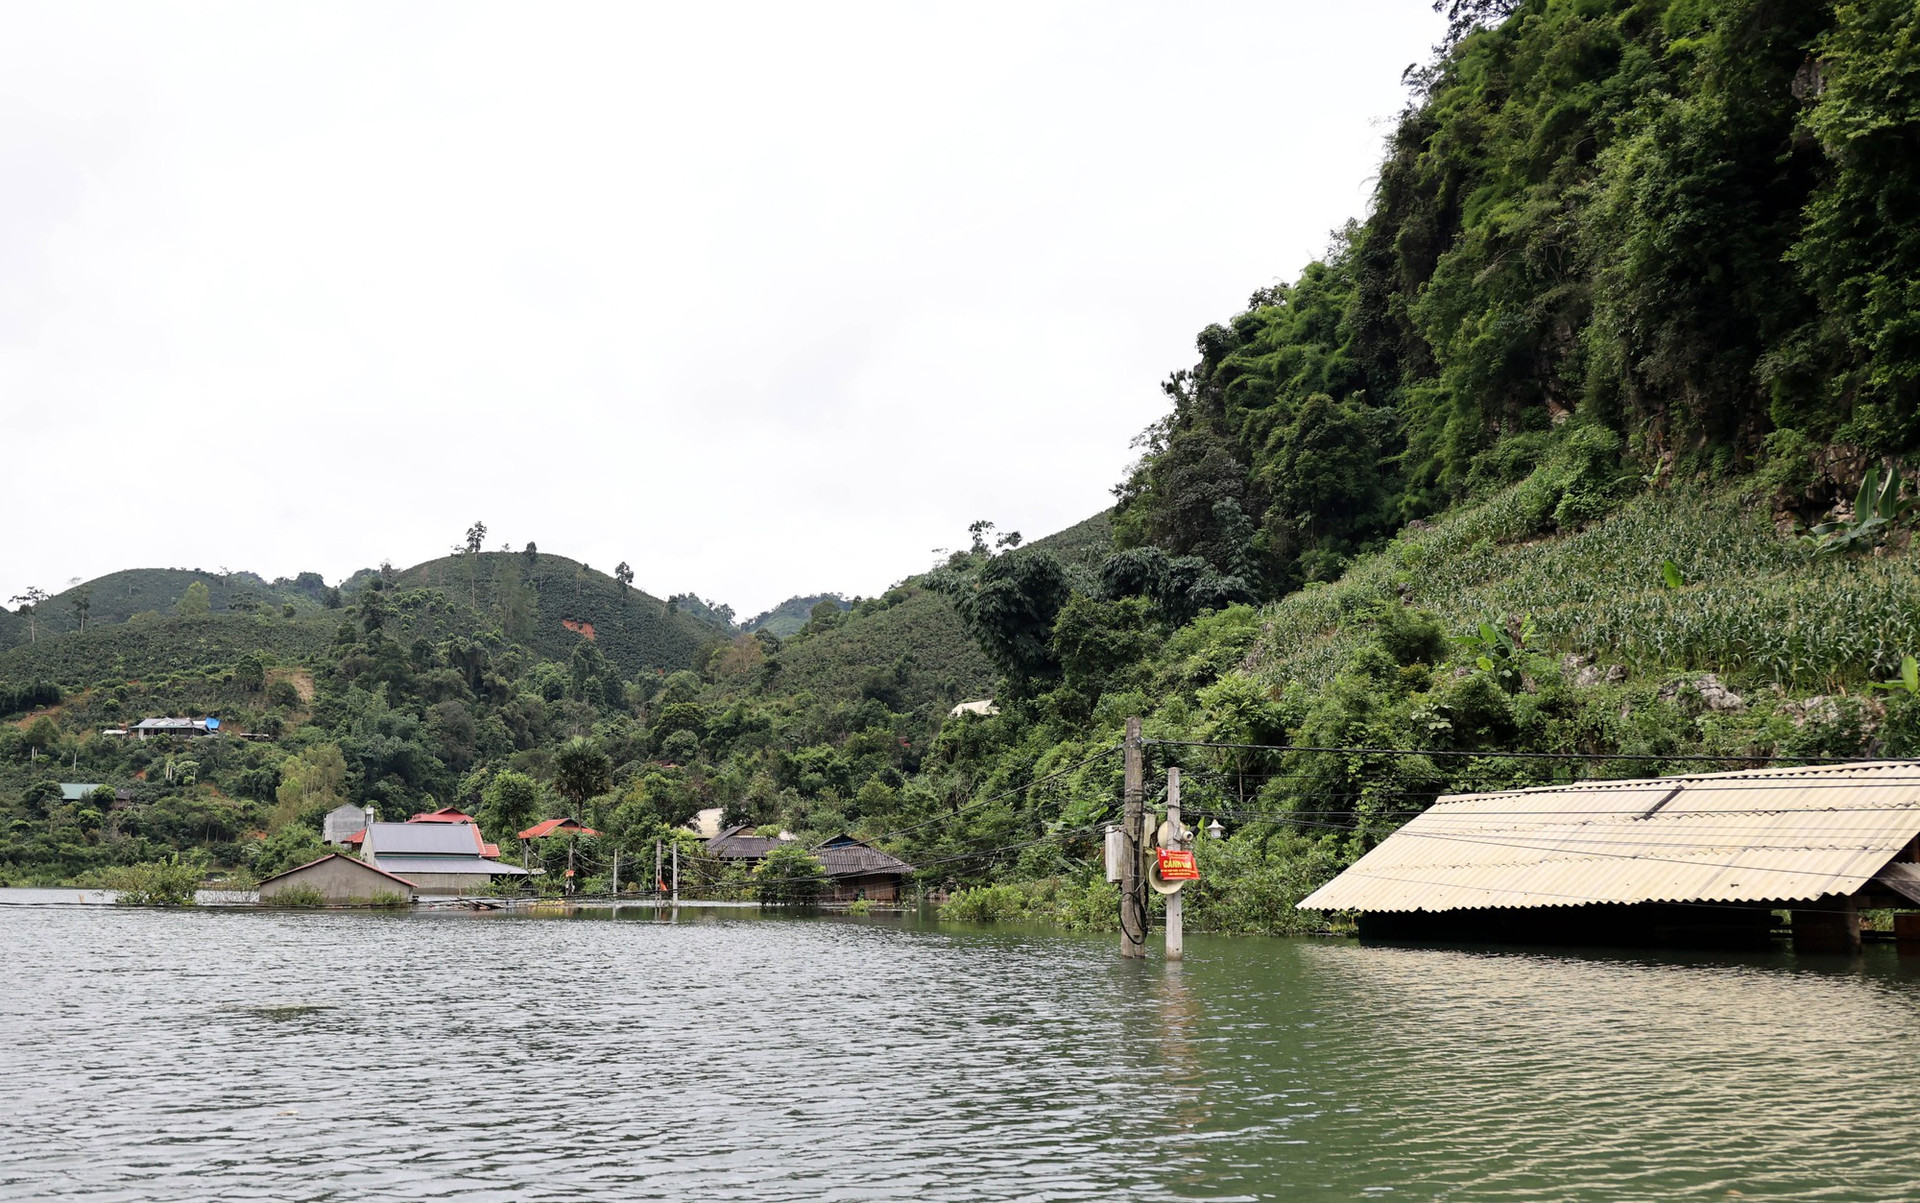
[(177, 728), (439, 858), (983, 707), (1695, 860), (341, 881), (84, 791), (342, 823), (856, 870)]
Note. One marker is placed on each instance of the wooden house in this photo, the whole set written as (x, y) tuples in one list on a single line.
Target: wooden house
[(856, 870)]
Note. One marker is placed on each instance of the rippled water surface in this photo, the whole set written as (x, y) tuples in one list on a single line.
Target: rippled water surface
[(240, 1054)]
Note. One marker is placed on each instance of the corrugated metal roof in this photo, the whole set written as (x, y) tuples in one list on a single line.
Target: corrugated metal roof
[(422, 839), (1762, 835), (470, 864)]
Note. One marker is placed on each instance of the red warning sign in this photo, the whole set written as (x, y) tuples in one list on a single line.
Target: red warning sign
[(1178, 865)]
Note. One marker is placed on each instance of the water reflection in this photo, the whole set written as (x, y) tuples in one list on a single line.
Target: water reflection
[(711, 1055)]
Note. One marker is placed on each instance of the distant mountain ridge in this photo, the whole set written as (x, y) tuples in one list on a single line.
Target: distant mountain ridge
[(791, 614), (549, 604)]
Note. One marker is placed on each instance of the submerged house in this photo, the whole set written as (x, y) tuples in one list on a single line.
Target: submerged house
[(740, 845), (856, 870), (439, 858), (1697, 860), (340, 881)]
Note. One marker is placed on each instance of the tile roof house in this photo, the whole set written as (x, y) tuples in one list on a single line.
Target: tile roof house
[(858, 870), (82, 791), (738, 843)]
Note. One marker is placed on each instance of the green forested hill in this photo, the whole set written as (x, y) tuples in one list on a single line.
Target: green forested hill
[(162, 645), (550, 603), (119, 596), (791, 614), (1594, 436)]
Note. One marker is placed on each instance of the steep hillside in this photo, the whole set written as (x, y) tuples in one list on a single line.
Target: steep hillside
[(907, 647), (550, 604), (164, 646), (1086, 543)]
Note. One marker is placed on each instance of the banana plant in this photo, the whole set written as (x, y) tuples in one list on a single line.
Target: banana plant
[(1499, 652), (1909, 680), (1881, 504)]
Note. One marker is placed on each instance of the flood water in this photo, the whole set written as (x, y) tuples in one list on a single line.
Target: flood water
[(226, 1054)]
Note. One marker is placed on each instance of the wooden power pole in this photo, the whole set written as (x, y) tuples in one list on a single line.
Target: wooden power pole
[(1133, 908)]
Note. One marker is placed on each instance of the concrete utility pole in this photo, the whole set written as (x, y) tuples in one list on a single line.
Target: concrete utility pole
[(1176, 937), (1133, 909), (676, 872)]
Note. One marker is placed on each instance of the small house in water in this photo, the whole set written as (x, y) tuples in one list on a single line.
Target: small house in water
[(440, 858), (340, 881), (855, 870), (1700, 860), (740, 845)]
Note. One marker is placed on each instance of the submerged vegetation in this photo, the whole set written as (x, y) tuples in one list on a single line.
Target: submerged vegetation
[(1594, 437)]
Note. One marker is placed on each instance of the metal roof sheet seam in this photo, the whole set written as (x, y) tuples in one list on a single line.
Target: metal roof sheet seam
[(1702, 844)]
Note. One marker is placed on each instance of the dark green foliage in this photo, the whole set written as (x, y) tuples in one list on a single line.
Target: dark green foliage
[(160, 646), (789, 875), (581, 770), (17, 699), (1689, 228), (1010, 603)]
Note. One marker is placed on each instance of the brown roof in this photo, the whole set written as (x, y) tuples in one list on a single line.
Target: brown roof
[(731, 844), (336, 856), (844, 856)]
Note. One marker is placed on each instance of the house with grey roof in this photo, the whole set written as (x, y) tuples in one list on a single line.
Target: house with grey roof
[(439, 858), (179, 728)]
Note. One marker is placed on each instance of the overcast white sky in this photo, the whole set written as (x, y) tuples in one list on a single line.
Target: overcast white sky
[(762, 299)]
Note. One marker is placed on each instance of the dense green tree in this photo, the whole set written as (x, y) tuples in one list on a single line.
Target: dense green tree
[(789, 875), (510, 803), (195, 601), (581, 770)]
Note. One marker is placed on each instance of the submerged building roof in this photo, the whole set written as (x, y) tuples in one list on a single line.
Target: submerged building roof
[(844, 856), (739, 843), (1776, 834)]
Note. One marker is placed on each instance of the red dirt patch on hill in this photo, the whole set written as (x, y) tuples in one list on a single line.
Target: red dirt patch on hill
[(585, 628)]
